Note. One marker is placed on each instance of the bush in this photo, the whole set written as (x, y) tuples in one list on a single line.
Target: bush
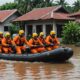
[(71, 33), (14, 29)]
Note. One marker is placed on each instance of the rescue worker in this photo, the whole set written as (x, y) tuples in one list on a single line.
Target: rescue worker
[(7, 43), (52, 40), (36, 44), (41, 38), (19, 41), (1, 37)]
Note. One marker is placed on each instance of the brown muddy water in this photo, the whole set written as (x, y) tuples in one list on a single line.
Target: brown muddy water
[(13, 70)]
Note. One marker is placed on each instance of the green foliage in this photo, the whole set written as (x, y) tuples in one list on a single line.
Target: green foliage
[(27, 5), (76, 6), (8, 6), (61, 2), (24, 6), (69, 8), (71, 33), (14, 29)]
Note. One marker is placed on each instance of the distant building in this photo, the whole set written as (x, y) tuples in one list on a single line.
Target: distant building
[(45, 19), (6, 17), (76, 15)]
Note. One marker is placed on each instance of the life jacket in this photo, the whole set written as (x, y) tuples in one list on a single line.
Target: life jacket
[(8, 41), (20, 41), (51, 40), (1, 40), (42, 40), (35, 42), (54, 40)]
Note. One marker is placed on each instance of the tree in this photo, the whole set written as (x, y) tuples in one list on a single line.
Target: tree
[(24, 5), (8, 6), (48, 3), (14, 29), (27, 5), (71, 33), (69, 8), (61, 2), (76, 6)]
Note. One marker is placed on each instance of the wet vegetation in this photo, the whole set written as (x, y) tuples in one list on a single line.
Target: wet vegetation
[(71, 33)]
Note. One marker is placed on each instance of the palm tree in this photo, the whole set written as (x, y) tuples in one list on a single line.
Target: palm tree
[(48, 2), (61, 2), (76, 6)]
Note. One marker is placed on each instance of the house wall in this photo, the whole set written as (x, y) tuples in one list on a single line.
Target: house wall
[(57, 26), (1, 27), (7, 22), (43, 23)]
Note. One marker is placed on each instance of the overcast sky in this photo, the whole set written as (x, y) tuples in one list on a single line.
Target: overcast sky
[(6, 1)]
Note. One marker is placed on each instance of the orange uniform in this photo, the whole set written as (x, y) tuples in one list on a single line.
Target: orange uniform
[(42, 40), (36, 42), (19, 42), (50, 40), (6, 45), (1, 44)]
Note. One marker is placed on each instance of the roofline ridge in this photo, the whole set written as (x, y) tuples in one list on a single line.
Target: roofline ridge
[(41, 8), (9, 15), (51, 11)]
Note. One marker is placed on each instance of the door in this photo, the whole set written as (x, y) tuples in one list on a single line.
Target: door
[(59, 30), (29, 29), (49, 28), (39, 28)]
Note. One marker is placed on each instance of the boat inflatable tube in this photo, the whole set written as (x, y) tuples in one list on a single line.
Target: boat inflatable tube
[(57, 55)]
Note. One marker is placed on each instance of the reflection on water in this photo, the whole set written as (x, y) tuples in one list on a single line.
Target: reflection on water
[(12, 70)]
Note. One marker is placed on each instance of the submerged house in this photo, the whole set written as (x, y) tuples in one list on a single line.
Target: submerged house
[(45, 19), (6, 17)]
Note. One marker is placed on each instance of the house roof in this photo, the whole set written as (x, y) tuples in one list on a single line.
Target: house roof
[(78, 20), (4, 14), (58, 16), (44, 13), (75, 14)]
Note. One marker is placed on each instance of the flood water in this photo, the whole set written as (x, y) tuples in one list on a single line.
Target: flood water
[(13, 70)]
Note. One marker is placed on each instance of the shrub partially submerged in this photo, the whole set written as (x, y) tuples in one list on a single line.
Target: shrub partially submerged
[(71, 33)]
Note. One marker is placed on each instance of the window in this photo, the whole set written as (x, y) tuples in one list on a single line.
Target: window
[(59, 30), (29, 29), (38, 28), (6, 28), (49, 27)]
